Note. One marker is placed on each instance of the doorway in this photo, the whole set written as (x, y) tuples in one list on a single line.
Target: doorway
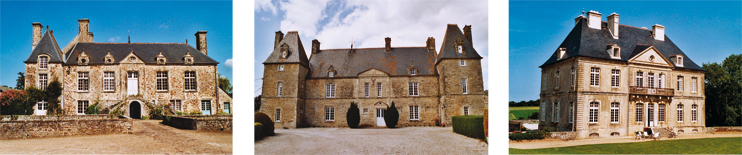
[(380, 117), (135, 110)]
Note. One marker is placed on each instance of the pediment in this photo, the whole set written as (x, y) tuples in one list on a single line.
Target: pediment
[(373, 72), (128, 58), (651, 56)]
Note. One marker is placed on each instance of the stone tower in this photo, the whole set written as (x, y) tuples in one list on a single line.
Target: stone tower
[(284, 80)]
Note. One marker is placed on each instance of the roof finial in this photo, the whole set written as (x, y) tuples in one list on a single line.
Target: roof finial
[(583, 11), (128, 35), (351, 42)]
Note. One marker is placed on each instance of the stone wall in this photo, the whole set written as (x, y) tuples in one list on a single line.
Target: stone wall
[(563, 135), (452, 96), (203, 122), (32, 126), (724, 129)]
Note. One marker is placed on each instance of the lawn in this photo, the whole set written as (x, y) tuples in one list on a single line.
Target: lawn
[(730, 145), (524, 112)]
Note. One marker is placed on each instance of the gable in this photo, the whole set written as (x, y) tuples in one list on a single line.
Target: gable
[(128, 60), (650, 56), (373, 72)]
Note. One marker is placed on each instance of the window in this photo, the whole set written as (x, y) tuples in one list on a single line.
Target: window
[(280, 87), (412, 71), (460, 49), (571, 112), (43, 61), (572, 78), (162, 81), (462, 63), (616, 52), (331, 74), (82, 106), (278, 115), (594, 76), (280, 68), (227, 108), (680, 83), (659, 81), (206, 106), (555, 112), (378, 89), (330, 91), (542, 113), (108, 81), (414, 113), (463, 85), (365, 110), (639, 111), (650, 80), (661, 113), (680, 61), (42, 105), (176, 105), (640, 79), (594, 112), (693, 87), (694, 113), (466, 110), (82, 81), (614, 112), (680, 113), (43, 81), (329, 113), (543, 81), (650, 112), (365, 89), (413, 89), (190, 81), (558, 79), (615, 77)]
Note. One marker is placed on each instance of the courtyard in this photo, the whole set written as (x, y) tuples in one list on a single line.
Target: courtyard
[(407, 140), (147, 137)]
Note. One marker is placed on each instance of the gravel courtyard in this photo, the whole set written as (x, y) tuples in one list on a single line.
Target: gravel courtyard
[(408, 140)]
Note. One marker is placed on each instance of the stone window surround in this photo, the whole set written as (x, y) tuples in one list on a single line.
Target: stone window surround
[(639, 118), (366, 89), (680, 113), (201, 107), (571, 112), (112, 82), (330, 90), (557, 80), (280, 67), (615, 112), (597, 112), (615, 78), (43, 61), (278, 115), (661, 112), (329, 114), (639, 77), (378, 89), (177, 105), (465, 85), (280, 88), (693, 84), (43, 81), (462, 62), (572, 77), (414, 113), (194, 81), (680, 83), (594, 76), (555, 112), (413, 88), (694, 113), (82, 105), (83, 81), (162, 75), (466, 110)]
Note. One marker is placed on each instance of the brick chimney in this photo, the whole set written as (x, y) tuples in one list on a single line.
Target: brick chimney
[(83, 31), (467, 33), (613, 24), (36, 34), (201, 42), (658, 31), (315, 46), (593, 19), (388, 45), (279, 37), (430, 44)]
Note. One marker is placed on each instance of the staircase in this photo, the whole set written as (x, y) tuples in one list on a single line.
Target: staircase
[(663, 132)]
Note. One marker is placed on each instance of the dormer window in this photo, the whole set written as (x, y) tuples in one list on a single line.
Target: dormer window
[(459, 44), (680, 61), (108, 59), (43, 62), (285, 51), (677, 59), (562, 52), (132, 59), (331, 74), (83, 59), (412, 71), (460, 49), (188, 58), (161, 59), (614, 51)]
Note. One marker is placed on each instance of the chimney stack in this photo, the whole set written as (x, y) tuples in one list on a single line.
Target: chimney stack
[(430, 44), (279, 37), (388, 44), (467, 33), (593, 19), (83, 31), (201, 42), (36, 34), (315, 46), (658, 31), (613, 24)]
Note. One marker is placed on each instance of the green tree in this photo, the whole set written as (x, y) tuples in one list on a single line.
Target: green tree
[(257, 103), (225, 85), (724, 92), (20, 83), (353, 116), (51, 95)]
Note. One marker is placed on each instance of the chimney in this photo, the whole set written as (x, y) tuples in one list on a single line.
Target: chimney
[(315, 46), (430, 44), (577, 20), (279, 37), (658, 31), (593, 19), (613, 24), (36, 34), (201, 42), (90, 34), (388, 45), (467, 33)]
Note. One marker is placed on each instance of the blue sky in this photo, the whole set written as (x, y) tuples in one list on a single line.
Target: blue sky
[(705, 31), (151, 22), (335, 23)]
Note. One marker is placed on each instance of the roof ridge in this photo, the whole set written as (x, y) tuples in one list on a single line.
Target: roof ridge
[(336, 49), (134, 43)]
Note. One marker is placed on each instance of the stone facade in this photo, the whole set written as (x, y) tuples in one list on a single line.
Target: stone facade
[(209, 123), (55, 126)]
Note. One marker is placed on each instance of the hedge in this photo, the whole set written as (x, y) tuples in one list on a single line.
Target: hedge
[(267, 122), (258, 131), (470, 126), (528, 135)]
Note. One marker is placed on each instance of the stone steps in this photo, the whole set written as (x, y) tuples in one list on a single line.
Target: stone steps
[(663, 132)]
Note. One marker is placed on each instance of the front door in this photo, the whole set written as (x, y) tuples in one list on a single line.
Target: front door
[(380, 117), (206, 107), (135, 110), (650, 115), (132, 85)]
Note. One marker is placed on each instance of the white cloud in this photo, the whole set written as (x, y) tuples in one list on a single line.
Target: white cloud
[(228, 63), (163, 26), (114, 39), (303, 16), (265, 5)]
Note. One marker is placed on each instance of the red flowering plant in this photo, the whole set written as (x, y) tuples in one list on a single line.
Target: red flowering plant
[(16, 102)]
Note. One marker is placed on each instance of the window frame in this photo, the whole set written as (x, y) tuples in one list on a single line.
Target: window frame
[(661, 111), (594, 76), (413, 89), (694, 113), (415, 113), (555, 112), (330, 90), (650, 80), (43, 81), (413, 71), (279, 89), (557, 82), (162, 82), (43, 62), (177, 105), (572, 78), (615, 78), (680, 83), (571, 112), (615, 112), (650, 112), (693, 85), (331, 74), (42, 105), (82, 106), (278, 115), (639, 78), (329, 113), (462, 62), (190, 83), (109, 81), (680, 112), (280, 67), (594, 118), (378, 89), (83, 81), (366, 89), (465, 85)]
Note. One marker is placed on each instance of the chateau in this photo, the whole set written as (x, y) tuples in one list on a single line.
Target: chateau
[(608, 79), (128, 75), (424, 84)]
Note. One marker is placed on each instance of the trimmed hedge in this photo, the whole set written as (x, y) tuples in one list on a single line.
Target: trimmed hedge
[(267, 122), (258, 131), (470, 126), (528, 135)]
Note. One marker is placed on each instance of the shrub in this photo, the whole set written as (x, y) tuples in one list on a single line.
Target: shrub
[(391, 116), (353, 116), (267, 122), (93, 109), (528, 135), (222, 113), (178, 113), (145, 118), (16, 102), (158, 111), (118, 109), (258, 131), (469, 125), (486, 122), (534, 115)]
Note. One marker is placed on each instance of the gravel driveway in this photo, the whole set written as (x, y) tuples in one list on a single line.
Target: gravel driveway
[(408, 140)]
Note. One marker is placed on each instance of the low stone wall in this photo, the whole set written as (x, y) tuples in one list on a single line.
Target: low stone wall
[(564, 135), (32, 126), (724, 129), (200, 122)]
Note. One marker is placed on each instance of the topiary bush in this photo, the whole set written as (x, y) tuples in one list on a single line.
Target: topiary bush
[(353, 116), (258, 131), (469, 125), (391, 116), (267, 122), (528, 135)]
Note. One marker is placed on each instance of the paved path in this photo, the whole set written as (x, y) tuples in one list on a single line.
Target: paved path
[(147, 137), (549, 143), (408, 140)]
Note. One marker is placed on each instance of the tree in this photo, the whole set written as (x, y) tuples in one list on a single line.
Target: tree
[(20, 83), (724, 92), (225, 85), (16, 102), (257, 102), (353, 116), (391, 116)]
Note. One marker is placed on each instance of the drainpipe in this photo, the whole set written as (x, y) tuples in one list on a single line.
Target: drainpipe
[(216, 91)]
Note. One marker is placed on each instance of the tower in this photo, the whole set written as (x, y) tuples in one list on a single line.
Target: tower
[(285, 72)]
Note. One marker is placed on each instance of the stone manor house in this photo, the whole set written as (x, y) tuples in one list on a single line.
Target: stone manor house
[(608, 79), (132, 74), (424, 84)]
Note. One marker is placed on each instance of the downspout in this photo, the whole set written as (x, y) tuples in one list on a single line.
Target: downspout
[(216, 91)]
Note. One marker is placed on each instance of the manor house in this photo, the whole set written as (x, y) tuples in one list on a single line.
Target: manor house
[(609, 79), (128, 75), (424, 84)]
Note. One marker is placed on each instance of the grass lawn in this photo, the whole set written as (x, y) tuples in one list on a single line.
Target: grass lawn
[(730, 145), (524, 112)]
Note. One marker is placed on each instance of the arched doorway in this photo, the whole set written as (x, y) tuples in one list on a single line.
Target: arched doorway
[(135, 110), (380, 108)]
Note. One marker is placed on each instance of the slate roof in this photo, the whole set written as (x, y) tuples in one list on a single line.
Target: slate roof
[(352, 62), (588, 42), (296, 50), (47, 45), (147, 52), (448, 49)]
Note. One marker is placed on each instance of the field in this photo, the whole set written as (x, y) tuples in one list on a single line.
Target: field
[(524, 112), (730, 145)]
